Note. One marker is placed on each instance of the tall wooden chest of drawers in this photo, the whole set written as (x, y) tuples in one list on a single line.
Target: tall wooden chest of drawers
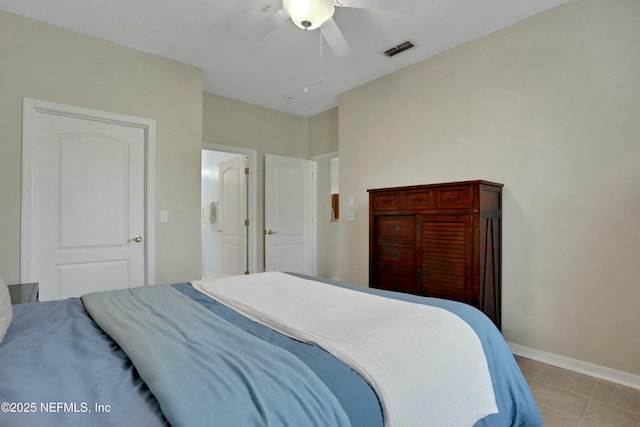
[(439, 240)]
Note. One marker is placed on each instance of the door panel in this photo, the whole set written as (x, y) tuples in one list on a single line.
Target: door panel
[(93, 211), (88, 205), (290, 211), (73, 278), (233, 213)]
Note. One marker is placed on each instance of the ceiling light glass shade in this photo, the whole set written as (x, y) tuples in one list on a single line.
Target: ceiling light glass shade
[(309, 14)]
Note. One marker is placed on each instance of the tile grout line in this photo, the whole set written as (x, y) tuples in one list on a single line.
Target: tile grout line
[(584, 411), (537, 379), (539, 374), (617, 408), (591, 398)]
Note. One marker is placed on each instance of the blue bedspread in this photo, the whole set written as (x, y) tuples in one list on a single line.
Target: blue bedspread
[(54, 352), (205, 371), (56, 365)]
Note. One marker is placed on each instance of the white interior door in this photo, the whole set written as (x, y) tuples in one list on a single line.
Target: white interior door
[(233, 216), (290, 215), (85, 228)]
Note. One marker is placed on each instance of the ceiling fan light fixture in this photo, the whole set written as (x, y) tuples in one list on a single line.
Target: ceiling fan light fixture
[(309, 14)]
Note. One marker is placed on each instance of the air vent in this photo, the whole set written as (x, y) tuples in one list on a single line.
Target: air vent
[(397, 49)]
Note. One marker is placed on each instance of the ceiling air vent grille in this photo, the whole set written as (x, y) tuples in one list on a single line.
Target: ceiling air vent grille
[(398, 49)]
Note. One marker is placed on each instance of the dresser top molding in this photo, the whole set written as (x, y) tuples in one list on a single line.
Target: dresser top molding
[(442, 184)]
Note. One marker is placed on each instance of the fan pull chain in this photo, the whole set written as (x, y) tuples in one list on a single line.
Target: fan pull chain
[(321, 60), (306, 64)]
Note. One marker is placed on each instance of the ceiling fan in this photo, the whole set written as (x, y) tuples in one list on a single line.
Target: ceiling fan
[(312, 14)]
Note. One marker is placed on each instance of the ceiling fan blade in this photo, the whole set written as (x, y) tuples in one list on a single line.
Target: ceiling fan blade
[(268, 25), (335, 39), (391, 5)]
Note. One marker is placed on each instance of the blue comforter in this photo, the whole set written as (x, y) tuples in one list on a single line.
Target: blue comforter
[(56, 365), (204, 370), (54, 353)]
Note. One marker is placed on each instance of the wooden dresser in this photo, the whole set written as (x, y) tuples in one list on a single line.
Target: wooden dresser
[(439, 240)]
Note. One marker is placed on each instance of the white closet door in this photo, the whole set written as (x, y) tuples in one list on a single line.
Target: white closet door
[(290, 215), (87, 222)]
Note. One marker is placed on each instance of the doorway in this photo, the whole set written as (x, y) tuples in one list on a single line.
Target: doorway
[(328, 215), (229, 249)]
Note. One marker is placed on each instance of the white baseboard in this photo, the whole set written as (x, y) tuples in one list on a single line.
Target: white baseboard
[(620, 377)]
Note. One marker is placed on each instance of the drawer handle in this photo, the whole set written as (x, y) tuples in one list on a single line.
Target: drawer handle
[(395, 227), (417, 199), (387, 201), (396, 255), (395, 283), (453, 197)]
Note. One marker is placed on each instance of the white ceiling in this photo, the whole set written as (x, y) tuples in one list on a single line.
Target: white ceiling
[(211, 34)]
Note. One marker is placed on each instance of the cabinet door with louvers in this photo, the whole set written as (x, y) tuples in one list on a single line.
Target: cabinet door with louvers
[(445, 256)]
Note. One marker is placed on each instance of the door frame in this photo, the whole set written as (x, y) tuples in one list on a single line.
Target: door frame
[(252, 194), (31, 107)]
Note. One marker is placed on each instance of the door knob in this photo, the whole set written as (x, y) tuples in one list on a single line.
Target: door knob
[(137, 239), (271, 232)]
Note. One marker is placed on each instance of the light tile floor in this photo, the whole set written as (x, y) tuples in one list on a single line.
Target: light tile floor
[(566, 398)]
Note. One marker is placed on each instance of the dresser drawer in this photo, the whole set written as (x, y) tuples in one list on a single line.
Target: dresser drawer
[(387, 201), (455, 198), (399, 282), (418, 199), (396, 256), (396, 228)]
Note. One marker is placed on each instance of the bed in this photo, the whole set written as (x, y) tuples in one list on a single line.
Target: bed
[(235, 352)]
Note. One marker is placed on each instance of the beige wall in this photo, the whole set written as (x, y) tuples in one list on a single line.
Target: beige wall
[(239, 124), (323, 132), (44, 62), (550, 107)]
